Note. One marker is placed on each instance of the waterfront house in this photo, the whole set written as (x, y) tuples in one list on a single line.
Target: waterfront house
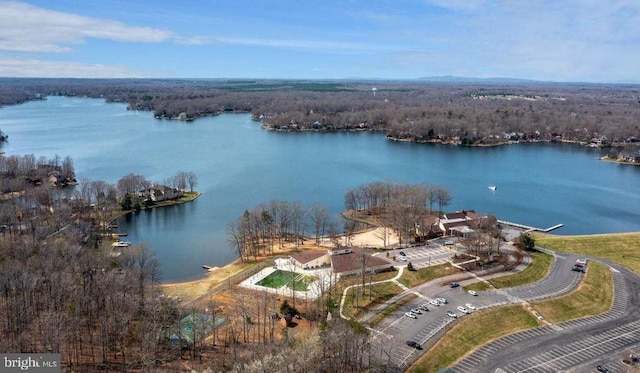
[(159, 193)]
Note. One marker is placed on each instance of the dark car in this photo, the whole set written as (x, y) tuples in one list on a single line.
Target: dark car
[(603, 369), (414, 344), (402, 253), (578, 269), (454, 284)]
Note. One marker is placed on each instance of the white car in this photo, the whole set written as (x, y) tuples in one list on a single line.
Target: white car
[(452, 314), (462, 309), (434, 302), (441, 300), (416, 311), (470, 306), (473, 292), (411, 315), (402, 258)]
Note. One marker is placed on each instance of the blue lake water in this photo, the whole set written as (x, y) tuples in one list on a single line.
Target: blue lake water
[(239, 165)]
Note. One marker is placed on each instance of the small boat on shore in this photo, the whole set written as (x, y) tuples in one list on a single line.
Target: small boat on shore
[(493, 187), (121, 244)]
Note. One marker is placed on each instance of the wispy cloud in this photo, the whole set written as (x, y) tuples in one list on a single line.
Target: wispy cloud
[(20, 67), (27, 28)]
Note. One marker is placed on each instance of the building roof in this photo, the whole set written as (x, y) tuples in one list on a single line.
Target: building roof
[(307, 256), (353, 261), (464, 215)]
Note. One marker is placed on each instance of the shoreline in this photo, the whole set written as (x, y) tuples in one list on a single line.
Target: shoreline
[(212, 279), (192, 197)]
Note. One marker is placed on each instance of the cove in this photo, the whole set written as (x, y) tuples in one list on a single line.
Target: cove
[(239, 165)]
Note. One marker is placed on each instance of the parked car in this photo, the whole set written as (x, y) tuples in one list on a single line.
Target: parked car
[(402, 258), (423, 308), (454, 284), (402, 253), (470, 306), (416, 311), (414, 344), (602, 369), (434, 302), (452, 314), (473, 292), (441, 300), (448, 243), (578, 269), (462, 309), (411, 315)]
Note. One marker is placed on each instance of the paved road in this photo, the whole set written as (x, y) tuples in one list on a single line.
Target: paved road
[(571, 346)]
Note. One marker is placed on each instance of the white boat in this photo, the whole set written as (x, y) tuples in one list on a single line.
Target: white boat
[(121, 244), (493, 187)]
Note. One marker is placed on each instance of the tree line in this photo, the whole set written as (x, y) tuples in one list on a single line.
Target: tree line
[(459, 113)]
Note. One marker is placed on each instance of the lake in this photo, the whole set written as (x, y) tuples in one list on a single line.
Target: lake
[(239, 165)]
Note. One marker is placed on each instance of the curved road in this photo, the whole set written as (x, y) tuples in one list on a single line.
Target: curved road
[(572, 346), (551, 348)]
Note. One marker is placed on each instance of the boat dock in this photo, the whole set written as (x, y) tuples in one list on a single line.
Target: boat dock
[(530, 228)]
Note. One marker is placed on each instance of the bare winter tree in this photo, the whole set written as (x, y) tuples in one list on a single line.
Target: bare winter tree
[(320, 219), (192, 180)]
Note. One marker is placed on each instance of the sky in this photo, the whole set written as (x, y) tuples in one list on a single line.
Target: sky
[(566, 41)]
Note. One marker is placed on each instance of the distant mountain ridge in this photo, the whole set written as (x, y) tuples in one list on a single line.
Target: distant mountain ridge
[(464, 79), (502, 80)]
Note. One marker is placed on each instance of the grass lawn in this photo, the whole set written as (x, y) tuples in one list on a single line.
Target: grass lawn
[(477, 286), (623, 248), (536, 271), (474, 330), (420, 276), (594, 296), (355, 306)]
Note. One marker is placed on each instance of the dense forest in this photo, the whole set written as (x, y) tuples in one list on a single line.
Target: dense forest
[(488, 113)]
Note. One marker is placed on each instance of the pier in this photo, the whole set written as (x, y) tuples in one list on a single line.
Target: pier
[(529, 228)]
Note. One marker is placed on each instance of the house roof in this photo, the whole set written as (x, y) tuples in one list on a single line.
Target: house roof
[(307, 256), (430, 220), (464, 214), (353, 261), (460, 218)]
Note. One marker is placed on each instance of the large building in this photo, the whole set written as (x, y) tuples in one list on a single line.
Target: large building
[(343, 261)]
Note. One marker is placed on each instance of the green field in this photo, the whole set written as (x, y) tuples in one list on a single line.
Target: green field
[(623, 248), (295, 281)]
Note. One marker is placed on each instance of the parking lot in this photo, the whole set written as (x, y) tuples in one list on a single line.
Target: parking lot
[(423, 256), (425, 328)]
